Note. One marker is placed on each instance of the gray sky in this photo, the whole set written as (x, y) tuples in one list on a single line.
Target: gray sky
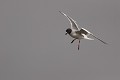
[(33, 45)]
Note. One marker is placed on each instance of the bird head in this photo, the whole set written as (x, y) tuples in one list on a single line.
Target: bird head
[(68, 30)]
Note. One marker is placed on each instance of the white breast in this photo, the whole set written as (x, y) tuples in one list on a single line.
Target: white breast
[(74, 35)]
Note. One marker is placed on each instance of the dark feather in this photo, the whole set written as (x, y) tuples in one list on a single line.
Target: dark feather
[(82, 31), (99, 39)]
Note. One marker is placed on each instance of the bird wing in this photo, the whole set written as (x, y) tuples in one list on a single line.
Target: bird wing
[(84, 31), (72, 22), (86, 37), (87, 33), (99, 39)]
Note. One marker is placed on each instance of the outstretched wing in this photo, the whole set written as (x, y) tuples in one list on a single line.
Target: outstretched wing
[(99, 39), (72, 22), (84, 31), (87, 33)]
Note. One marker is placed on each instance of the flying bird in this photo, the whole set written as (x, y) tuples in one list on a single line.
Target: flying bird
[(77, 33)]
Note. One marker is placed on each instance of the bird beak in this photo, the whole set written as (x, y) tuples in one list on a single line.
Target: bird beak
[(65, 33)]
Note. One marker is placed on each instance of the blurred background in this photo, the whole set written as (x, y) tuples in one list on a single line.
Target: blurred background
[(33, 45)]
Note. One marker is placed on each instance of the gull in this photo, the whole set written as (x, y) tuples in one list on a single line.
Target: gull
[(77, 33)]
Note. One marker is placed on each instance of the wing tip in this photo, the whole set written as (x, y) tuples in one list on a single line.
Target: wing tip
[(100, 40), (62, 13), (106, 43)]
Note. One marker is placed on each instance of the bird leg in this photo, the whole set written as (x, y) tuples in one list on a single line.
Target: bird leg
[(79, 45), (73, 40)]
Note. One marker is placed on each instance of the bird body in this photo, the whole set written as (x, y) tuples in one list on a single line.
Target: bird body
[(77, 33)]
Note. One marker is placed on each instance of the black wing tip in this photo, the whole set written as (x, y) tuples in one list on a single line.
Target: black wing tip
[(106, 43), (100, 39), (103, 41), (61, 12)]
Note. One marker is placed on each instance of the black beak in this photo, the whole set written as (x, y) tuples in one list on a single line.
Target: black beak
[(66, 33)]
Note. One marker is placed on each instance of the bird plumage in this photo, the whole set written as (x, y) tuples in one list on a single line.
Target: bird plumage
[(77, 33), (72, 22)]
